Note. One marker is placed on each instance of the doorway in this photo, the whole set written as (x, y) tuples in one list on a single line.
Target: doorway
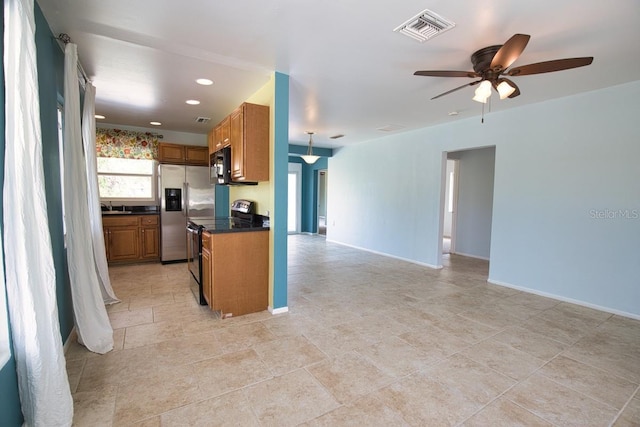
[(467, 203), (322, 202), (450, 206), (294, 216)]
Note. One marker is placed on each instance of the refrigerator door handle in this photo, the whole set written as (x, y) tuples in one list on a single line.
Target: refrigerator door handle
[(185, 201)]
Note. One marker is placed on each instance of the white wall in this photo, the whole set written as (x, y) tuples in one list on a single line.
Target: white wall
[(558, 165), (184, 138), (475, 202)]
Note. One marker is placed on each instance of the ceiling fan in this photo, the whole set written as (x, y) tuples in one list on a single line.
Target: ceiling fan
[(491, 65)]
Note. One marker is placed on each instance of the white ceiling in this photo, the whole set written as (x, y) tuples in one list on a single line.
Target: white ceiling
[(349, 72)]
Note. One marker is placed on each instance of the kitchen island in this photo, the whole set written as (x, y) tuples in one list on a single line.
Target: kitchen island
[(235, 266)]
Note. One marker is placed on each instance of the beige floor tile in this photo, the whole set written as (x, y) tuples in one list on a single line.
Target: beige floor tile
[(235, 338), (504, 358), (435, 343), (162, 391), (609, 353), (560, 405), (74, 372), (349, 376), (94, 408), (124, 319), (366, 411), (474, 380), (401, 344), (290, 399), (288, 354), (530, 342), (630, 416), (465, 329), (230, 372), (142, 301), (593, 382), (424, 401), (504, 413), (137, 336), (230, 409), (396, 357)]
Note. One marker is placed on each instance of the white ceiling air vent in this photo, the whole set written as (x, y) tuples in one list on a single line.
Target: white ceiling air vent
[(203, 119), (425, 25)]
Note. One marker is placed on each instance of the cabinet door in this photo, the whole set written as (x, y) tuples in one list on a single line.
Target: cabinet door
[(222, 134), (149, 242), (237, 144), (197, 156), (206, 275), (171, 153), (211, 141), (123, 243)]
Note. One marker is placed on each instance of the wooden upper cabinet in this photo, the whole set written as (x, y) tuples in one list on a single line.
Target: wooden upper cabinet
[(178, 154), (249, 134), (171, 153), (221, 135), (197, 156)]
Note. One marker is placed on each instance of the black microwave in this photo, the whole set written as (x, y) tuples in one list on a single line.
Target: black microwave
[(220, 168)]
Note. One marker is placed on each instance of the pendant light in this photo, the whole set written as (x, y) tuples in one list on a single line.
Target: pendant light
[(309, 157)]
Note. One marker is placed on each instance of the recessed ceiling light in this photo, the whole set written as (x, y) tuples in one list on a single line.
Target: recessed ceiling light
[(453, 113), (100, 117), (155, 123), (193, 101), (204, 82)]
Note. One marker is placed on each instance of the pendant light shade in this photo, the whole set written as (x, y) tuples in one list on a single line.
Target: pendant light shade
[(309, 157), (483, 92), (505, 89)]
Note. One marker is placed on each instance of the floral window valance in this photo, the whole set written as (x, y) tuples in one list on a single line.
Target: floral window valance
[(126, 144)]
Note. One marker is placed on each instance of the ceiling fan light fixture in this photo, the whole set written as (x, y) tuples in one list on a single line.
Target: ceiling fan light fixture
[(483, 92), (309, 158), (505, 89)]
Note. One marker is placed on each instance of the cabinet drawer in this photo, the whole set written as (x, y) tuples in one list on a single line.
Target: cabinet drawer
[(148, 220), (120, 221)]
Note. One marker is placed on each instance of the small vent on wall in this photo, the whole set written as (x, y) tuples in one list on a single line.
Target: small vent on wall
[(425, 25), (337, 136), (203, 119)]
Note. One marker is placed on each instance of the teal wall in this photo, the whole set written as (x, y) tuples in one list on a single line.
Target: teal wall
[(280, 182), (309, 216), (51, 85), (10, 413)]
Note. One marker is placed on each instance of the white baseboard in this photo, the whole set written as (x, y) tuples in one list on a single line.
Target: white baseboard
[(412, 261), (73, 336), (470, 256), (279, 310), (565, 299)]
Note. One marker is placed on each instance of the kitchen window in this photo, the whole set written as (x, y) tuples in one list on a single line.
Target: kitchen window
[(130, 180)]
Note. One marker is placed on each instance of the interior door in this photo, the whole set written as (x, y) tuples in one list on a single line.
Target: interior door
[(322, 202)]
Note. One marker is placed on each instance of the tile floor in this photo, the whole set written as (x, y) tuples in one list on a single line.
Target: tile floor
[(368, 340)]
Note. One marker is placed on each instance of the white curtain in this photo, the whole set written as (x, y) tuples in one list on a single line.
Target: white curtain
[(30, 276), (93, 195), (92, 322)]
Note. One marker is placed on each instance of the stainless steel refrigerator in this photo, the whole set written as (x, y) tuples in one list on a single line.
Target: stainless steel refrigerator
[(185, 193)]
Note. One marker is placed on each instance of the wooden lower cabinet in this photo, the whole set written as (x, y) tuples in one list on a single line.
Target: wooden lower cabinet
[(237, 276), (206, 268), (131, 238)]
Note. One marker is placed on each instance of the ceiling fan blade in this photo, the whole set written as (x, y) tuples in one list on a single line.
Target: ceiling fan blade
[(509, 52), (458, 88), (550, 66), (470, 74)]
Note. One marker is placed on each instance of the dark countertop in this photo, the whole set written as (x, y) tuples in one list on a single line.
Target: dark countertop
[(230, 225), (131, 210)]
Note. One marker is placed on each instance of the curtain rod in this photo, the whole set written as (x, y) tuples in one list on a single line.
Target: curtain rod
[(65, 38)]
